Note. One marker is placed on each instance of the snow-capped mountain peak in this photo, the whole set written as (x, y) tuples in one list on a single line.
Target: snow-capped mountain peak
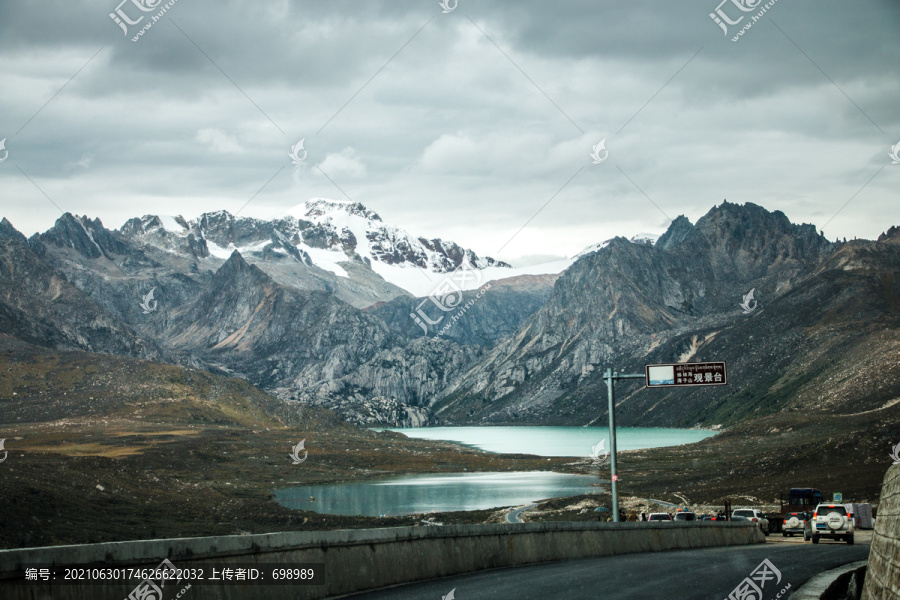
[(320, 232), (323, 207)]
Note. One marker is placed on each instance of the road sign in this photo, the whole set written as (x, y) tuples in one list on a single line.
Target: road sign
[(679, 374), (838, 497)]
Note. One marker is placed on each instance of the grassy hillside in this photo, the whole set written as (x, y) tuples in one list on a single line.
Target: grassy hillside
[(104, 448)]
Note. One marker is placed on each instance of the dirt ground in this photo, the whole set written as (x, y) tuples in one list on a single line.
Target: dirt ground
[(102, 479)]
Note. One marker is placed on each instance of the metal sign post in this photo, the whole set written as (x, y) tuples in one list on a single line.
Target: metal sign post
[(657, 376), (611, 376)]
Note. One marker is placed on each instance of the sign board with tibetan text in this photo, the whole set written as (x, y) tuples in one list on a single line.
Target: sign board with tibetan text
[(711, 373)]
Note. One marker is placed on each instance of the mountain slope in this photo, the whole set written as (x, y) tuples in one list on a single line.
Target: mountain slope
[(489, 315), (625, 306), (235, 318), (38, 304), (529, 348)]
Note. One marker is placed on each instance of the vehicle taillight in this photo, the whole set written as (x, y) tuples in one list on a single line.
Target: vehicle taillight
[(815, 514), (753, 519)]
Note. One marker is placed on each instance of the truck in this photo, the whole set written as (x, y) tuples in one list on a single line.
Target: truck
[(799, 500)]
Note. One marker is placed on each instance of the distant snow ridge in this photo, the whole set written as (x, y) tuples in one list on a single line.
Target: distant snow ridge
[(327, 234), (330, 234), (641, 238), (408, 261)]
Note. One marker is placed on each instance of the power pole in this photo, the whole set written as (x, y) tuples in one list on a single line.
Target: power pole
[(611, 377)]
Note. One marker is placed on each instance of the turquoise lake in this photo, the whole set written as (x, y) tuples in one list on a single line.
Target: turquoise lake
[(556, 441), (435, 493), (446, 492)]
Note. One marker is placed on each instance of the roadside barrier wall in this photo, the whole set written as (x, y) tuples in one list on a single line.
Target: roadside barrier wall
[(356, 560), (883, 572)]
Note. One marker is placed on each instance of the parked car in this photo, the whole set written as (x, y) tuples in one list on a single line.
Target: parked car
[(685, 516), (755, 515), (794, 522), (659, 517), (832, 521)]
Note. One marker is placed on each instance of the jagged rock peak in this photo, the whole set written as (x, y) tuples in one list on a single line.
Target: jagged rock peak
[(739, 220), (235, 264), (676, 233), (137, 226), (8, 231), (86, 236), (891, 234)]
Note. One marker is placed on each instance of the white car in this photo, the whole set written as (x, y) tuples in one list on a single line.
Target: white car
[(755, 515), (833, 521)]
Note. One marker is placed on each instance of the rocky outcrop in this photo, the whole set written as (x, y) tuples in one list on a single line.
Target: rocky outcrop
[(620, 304), (413, 374), (482, 317), (373, 411), (38, 304)]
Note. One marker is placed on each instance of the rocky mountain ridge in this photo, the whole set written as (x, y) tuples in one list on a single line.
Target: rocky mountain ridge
[(345, 246), (172, 303), (526, 349), (626, 306)]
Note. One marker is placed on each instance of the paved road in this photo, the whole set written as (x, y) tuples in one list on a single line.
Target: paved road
[(513, 515), (700, 574), (668, 504)]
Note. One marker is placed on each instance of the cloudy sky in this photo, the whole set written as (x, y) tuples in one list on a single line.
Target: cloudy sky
[(475, 124)]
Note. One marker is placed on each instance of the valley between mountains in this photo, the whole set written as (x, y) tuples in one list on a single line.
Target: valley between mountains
[(174, 410)]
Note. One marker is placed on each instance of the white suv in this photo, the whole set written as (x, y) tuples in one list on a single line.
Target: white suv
[(755, 515), (832, 520)]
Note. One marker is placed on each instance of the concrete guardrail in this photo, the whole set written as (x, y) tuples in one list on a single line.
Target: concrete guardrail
[(353, 560), (883, 573)]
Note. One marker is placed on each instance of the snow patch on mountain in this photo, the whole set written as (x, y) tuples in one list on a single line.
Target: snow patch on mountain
[(641, 238), (172, 224), (327, 259), (645, 238)]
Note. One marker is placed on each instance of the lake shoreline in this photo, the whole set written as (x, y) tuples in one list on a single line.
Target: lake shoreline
[(553, 441)]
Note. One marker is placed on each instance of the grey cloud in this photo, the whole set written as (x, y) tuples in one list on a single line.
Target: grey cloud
[(450, 135)]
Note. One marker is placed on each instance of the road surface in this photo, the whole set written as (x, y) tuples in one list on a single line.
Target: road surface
[(699, 574), (513, 515), (660, 502)]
